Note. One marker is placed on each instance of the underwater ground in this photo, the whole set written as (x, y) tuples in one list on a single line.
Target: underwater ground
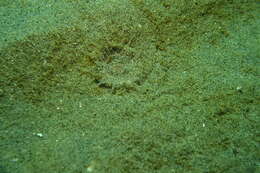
[(129, 86)]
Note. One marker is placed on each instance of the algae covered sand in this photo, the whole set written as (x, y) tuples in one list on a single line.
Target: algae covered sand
[(127, 86)]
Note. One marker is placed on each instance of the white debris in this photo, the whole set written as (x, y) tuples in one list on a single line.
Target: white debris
[(38, 134), (239, 88)]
